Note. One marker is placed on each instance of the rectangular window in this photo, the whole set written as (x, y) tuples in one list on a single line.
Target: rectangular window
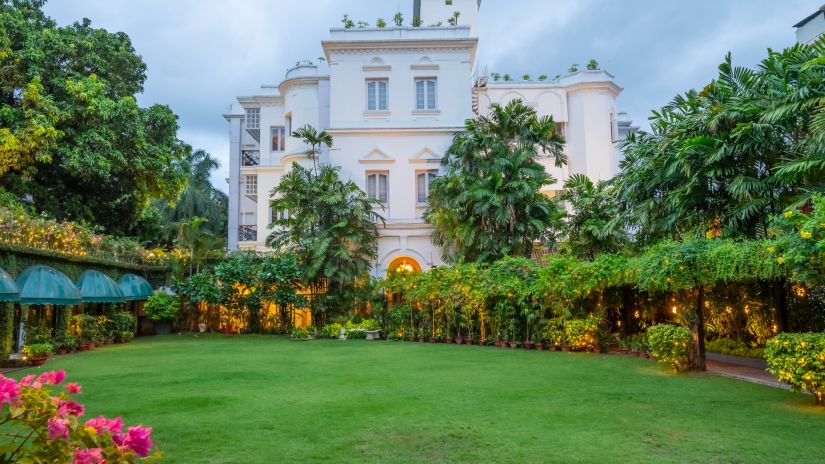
[(425, 90), (251, 185), (253, 118), (423, 180), (278, 138), (377, 186), (278, 214), (377, 94)]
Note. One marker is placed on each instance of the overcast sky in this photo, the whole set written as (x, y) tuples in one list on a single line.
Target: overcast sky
[(202, 53)]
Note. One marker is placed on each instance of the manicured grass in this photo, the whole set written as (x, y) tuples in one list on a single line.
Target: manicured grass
[(252, 399)]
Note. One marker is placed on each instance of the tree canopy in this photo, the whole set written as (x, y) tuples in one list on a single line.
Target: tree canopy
[(488, 203), (74, 137)]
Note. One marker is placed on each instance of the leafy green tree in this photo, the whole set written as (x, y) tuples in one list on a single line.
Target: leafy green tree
[(279, 278), (75, 138), (593, 226), (724, 160), (488, 204), (331, 229)]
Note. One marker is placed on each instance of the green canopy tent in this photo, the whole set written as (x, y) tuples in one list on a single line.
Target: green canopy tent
[(97, 287), (8, 287), (134, 288), (42, 285)]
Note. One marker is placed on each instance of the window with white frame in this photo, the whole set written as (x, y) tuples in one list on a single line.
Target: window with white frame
[(278, 138), (377, 186), (251, 185), (423, 179), (253, 118), (425, 93), (278, 214), (377, 94)]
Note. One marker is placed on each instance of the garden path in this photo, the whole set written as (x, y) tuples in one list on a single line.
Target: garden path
[(748, 374)]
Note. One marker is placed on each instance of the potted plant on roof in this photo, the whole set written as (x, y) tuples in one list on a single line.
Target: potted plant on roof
[(37, 353), (162, 308)]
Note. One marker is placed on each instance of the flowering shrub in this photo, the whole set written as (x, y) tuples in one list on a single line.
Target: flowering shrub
[(43, 426), (582, 334), (670, 344), (800, 240), (799, 359), (19, 228)]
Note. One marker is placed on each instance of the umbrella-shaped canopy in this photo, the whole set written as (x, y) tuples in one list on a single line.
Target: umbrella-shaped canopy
[(97, 287), (134, 287), (43, 285), (8, 288)]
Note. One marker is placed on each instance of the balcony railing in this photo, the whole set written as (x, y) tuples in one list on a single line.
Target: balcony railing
[(250, 158), (248, 233)]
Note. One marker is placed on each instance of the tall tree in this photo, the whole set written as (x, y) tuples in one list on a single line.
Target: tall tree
[(488, 204), (723, 160), (75, 138), (315, 140), (331, 229)]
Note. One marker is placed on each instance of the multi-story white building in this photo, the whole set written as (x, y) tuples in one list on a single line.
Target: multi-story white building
[(392, 98)]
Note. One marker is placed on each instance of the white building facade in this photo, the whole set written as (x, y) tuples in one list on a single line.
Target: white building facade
[(393, 98)]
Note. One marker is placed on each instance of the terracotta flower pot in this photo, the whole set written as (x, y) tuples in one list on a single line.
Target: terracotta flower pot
[(554, 347), (565, 348), (513, 344), (39, 361), (410, 338), (481, 341), (420, 339), (433, 340), (528, 345), (540, 346), (448, 340), (597, 349), (469, 341), (459, 340)]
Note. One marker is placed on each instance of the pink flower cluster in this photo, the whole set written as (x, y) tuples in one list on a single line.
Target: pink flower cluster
[(135, 440)]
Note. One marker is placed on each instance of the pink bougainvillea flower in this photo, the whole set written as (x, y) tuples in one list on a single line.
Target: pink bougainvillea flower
[(58, 428), (138, 440), (102, 425), (52, 377), (9, 390), (73, 388), (27, 380), (72, 408), (89, 456)]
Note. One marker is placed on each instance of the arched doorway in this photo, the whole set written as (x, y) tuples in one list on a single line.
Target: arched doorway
[(403, 264)]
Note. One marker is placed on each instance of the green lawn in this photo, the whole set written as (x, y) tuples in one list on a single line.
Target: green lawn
[(257, 399)]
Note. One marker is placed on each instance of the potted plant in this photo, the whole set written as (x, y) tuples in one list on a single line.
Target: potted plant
[(126, 336), (37, 353), (162, 309)]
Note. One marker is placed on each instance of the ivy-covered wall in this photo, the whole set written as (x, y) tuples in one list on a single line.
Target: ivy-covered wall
[(6, 329), (15, 261)]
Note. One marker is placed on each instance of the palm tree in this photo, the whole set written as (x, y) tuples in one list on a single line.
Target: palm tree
[(593, 227), (489, 203), (314, 139), (331, 228), (200, 199)]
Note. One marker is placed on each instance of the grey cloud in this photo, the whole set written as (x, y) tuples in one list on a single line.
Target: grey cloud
[(203, 53)]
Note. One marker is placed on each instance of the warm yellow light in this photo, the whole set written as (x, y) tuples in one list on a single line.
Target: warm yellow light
[(674, 310)]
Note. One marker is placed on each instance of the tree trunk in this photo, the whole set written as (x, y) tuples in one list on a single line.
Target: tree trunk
[(699, 363), (627, 310), (781, 298)]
